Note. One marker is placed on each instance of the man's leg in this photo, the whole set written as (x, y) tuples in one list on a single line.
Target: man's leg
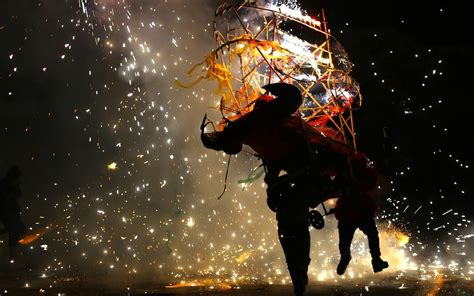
[(15, 228), (369, 228), (346, 233), (295, 241)]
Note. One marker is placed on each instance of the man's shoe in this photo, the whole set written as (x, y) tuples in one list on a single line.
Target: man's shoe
[(378, 264), (342, 266)]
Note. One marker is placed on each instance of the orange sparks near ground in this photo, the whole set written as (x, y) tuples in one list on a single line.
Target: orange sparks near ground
[(30, 238), (437, 288), (208, 283)]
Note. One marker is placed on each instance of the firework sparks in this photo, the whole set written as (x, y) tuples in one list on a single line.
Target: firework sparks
[(112, 65)]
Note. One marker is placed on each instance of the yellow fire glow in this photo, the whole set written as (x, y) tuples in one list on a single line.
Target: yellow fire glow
[(112, 166), (210, 283), (243, 257)]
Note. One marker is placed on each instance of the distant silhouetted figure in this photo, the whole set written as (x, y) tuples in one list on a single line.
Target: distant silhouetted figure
[(10, 213), (355, 208)]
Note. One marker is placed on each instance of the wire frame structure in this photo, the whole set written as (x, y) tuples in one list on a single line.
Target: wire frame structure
[(259, 43)]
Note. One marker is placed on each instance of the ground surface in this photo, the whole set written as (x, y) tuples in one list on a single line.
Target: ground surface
[(14, 285), (24, 278)]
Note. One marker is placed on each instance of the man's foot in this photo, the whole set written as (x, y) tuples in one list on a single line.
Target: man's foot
[(299, 285), (299, 291), (342, 266), (378, 264)]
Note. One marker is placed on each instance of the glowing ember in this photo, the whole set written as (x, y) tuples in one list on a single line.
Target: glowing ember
[(112, 166), (30, 238), (437, 287), (243, 257), (208, 283)]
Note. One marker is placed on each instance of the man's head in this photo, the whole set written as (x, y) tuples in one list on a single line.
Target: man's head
[(288, 95)]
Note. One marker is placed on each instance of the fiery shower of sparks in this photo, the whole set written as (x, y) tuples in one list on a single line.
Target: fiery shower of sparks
[(153, 209)]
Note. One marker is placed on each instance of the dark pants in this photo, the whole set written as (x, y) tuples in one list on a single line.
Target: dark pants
[(294, 238), (10, 217), (346, 233)]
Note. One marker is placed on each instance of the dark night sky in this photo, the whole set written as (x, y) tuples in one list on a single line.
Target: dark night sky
[(445, 30), (450, 37), (64, 155)]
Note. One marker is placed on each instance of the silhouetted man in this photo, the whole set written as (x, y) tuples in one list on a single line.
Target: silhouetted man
[(10, 213), (292, 154), (355, 208)]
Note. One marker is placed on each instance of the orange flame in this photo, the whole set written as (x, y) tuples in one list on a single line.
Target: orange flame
[(437, 288), (30, 238), (213, 284)]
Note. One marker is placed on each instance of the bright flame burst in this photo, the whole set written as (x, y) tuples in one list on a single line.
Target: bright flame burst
[(112, 166)]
